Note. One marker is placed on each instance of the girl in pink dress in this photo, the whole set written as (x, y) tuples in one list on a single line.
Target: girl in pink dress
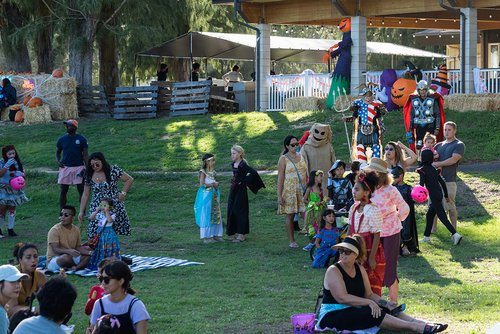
[(394, 210)]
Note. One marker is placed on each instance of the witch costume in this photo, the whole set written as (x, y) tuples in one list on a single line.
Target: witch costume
[(237, 205)]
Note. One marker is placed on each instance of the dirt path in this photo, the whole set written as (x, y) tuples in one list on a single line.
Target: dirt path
[(491, 166)]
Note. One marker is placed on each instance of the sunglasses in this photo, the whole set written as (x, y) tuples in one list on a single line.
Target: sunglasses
[(345, 251), (95, 164), (65, 214), (390, 148), (294, 145), (105, 279)]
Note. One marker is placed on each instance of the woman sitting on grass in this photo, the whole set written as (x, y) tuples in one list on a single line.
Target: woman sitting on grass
[(350, 304), (27, 258), (120, 301)]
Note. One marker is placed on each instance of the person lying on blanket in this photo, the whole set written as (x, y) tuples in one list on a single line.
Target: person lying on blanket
[(64, 249)]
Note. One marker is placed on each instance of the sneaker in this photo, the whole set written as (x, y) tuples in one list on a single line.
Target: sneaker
[(456, 238), (426, 239), (293, 245), (308, 247)]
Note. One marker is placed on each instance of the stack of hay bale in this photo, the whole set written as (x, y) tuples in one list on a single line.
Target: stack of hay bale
[(475, 102), (45, 97)]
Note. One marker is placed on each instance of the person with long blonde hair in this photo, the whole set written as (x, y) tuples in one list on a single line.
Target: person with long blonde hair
[(238, 224)]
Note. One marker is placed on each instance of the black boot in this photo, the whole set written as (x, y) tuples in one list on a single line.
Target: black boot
[(12, 233)]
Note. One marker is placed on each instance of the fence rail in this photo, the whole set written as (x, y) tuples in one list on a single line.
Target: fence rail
[(284, 87)]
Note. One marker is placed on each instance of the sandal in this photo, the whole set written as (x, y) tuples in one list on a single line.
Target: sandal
[(293, 245), (397, 310), (434, 328)]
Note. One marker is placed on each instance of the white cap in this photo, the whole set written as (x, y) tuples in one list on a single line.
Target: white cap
[(10, 273)]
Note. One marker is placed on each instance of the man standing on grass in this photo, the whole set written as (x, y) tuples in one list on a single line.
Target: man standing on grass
[(451, 151), (74, 149), (64, 249)]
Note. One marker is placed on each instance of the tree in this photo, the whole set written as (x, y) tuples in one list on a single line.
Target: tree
[(15, 49)]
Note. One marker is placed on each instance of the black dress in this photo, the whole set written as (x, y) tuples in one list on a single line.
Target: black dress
[(409, 236), (237, 204)]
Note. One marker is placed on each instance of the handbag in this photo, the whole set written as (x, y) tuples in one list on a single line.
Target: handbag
[(92, 243), (298, 174)]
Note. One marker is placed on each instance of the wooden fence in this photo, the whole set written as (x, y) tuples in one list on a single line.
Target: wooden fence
[(92, 102), (135, 102), (190, 98)]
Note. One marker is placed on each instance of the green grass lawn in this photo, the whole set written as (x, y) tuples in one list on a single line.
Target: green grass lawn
[(255, 286)]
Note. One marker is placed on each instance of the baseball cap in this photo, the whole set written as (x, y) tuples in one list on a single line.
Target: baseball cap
[(10, 273), (71, 122)]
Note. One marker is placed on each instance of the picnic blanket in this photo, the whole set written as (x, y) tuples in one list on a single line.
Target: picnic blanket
[(139, 263)]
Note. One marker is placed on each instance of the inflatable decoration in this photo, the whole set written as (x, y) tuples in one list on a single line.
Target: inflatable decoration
[(423, 112), (401, 90), (440, 83), (368, 126), (17, 183), (318, 150), (419, 194), (341, 76), (387, 79), (414, 71)]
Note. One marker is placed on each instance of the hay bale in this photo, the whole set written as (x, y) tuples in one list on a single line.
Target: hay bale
[(472, 102), (304, 103), (37, 115), (58, 93)]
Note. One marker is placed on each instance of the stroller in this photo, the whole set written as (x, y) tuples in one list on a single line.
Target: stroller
[(343, 232)]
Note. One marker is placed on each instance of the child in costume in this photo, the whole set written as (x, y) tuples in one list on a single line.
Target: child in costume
[(430, 178), (10, 167), (207, 204), (313, 198), (429, 142), (355, 166), (108, 245), (365, 219), (409, 236), (339, 187), (327, 237)]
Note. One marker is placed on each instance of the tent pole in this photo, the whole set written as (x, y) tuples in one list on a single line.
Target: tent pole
[(191, 54), (133, 70)]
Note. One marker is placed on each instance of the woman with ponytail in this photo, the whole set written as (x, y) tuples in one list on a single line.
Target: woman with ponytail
[(120, 301)]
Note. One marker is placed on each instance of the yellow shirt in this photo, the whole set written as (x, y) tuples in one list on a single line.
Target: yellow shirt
[(66, 238), (23, 293)]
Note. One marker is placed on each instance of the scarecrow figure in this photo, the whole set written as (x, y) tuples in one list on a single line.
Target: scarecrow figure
[(341, 76), (318, 150)]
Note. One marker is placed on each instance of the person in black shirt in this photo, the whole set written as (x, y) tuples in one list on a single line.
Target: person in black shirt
[(195, 74), (162, 72), (430, 178)]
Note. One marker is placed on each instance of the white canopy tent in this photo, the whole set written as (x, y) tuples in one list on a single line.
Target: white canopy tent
[(289, 49)]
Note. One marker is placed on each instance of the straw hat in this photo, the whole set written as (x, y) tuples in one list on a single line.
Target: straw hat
[(349, 243), (377, 165)]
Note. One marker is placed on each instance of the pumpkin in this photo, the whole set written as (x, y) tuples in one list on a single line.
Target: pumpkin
[(19, 116), (26, 100), (345, 25), (401, 90), (35, 102), (57, 73)]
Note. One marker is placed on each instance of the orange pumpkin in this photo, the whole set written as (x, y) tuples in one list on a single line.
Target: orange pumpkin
[(26, 100), (35, 102), (345, 25), (57, 73), (401, 90), (19, 116)]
